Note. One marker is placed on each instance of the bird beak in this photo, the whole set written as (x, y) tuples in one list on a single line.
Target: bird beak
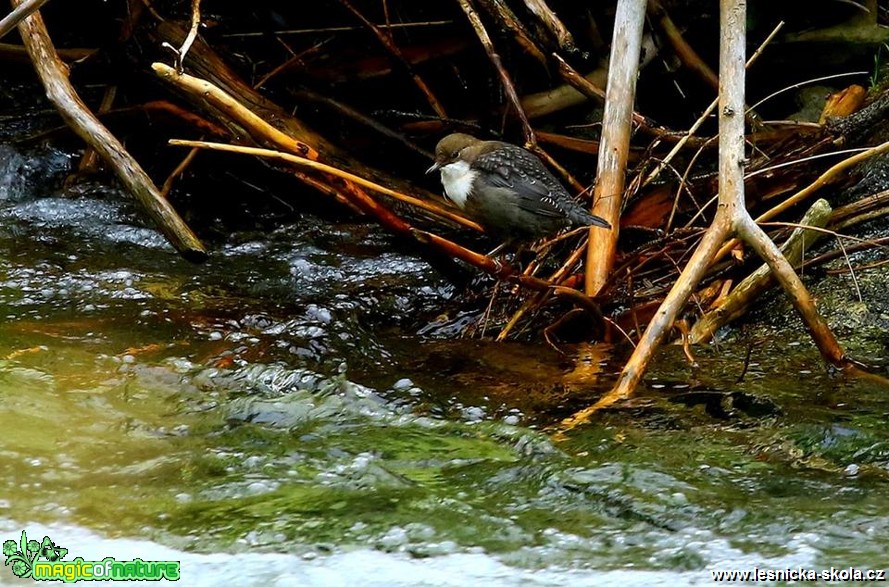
[(435, 167)]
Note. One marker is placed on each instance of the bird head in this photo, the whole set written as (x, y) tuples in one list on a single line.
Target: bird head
[(450, 148)]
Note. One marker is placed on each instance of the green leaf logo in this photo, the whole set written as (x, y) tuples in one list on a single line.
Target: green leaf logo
[(9, 548), (21, 556)]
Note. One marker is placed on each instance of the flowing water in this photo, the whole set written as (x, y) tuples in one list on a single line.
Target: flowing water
[(280, 416)]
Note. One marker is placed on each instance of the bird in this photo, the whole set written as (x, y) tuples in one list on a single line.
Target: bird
[(506, 189)]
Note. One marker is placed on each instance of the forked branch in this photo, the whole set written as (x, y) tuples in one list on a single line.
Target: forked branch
[(731, 218)]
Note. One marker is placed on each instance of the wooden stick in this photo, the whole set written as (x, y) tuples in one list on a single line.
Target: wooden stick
[(683, 50), (234, 110), (793, 286), (303, 162), (552, 23), (385, 40), (705, 115), (755, 284), (520, 34), (18, 14), (177, 171), (617, 127), (731, 216), (578, 82), (53, 74), (505, 80), (192, 34), (824, 179)]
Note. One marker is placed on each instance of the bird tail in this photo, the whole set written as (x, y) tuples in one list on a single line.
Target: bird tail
[(581, 217)]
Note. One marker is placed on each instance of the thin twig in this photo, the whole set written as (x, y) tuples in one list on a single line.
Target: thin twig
[(552, 23), (520, 34), (317, 165), (824, 179), (706, 114), (179, 170), (193, 27), (342, 29), (385, 40), (851, 270), (182, 51), (804, 83), (505, 80), (683, 50)]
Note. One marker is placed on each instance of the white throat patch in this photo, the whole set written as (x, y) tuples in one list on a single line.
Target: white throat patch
[(457, 180)]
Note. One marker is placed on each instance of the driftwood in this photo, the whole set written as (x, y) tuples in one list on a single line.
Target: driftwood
[(206, 65), (53, 74), (635, 278)]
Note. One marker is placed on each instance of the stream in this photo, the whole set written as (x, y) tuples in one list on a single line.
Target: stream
[(280, 416)]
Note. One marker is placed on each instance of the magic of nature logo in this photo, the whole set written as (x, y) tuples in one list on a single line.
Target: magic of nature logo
[(24, 557)]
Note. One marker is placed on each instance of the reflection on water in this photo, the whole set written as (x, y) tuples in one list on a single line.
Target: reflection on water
[(273, 416)]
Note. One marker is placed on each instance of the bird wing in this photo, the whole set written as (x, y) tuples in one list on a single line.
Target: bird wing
[(517, 170)]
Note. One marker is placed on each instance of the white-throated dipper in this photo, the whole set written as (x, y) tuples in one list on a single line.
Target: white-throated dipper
[(507, 189)]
